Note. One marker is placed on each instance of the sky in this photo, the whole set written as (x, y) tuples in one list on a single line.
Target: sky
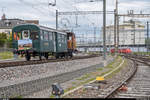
[(40, 10)]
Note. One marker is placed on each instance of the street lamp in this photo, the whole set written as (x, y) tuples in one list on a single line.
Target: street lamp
[(53, 4), (104, 27)]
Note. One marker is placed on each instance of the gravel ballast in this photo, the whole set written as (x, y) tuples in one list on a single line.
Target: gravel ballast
[(47, 69), (20, 74)]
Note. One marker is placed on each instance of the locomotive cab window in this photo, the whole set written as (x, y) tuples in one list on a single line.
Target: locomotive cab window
[(34, 35), (25, 34), (70, 38)]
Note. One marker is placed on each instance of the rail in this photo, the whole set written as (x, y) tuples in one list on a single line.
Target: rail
[(21, 63)]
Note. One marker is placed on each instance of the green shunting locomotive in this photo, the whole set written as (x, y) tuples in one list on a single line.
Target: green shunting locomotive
[(33, 40)]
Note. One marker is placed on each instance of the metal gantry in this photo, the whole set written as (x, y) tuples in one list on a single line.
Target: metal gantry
[(135, 15), (84, 12), (104, 12)]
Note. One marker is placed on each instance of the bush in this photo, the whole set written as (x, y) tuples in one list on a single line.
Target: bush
[(4, 39)]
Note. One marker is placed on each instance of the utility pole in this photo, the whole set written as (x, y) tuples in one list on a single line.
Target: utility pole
[(94, 34), (147, 35), (134, 33), (117, 33), (56, 19), (117, 26), (104, 28), (115, 45), (116, 29)]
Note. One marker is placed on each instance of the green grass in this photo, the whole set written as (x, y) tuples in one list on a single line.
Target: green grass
[(19, 97), (99, 69), (16, 96), (109, 66), (139, 53), (84, 77), (71, 88), (81, 83), (113, 73), (87, 81), (52, 96), (105, 73), (6, 55), (74, 83)]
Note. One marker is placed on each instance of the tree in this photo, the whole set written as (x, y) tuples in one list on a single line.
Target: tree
[(3, 39), (9, 41)]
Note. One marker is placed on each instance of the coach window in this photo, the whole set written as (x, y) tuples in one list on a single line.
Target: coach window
[(53, 36), (25, 34), (50, 36), (46, 35), (41, 34), (34, 35), (59, 38), (62, 38), (19, 35)]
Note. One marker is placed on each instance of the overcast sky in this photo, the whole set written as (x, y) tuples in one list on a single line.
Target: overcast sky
[(39, 10)]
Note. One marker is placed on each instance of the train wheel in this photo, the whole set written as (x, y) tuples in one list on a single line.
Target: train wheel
[(28, 57), (57, 56), (66, 55), (40, 56), (46, 55), (71, 55)]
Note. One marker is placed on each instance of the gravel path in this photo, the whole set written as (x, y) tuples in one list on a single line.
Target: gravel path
[(43, 70)]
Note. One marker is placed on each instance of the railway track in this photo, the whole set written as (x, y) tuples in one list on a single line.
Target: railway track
[(105, 90), (107, 93), (137, 83), (141, 59), (138, 86), (22, 63)]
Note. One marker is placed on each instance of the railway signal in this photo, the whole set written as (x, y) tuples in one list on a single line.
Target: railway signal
[(57, 90)]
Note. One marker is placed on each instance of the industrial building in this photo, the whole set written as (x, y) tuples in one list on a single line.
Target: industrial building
[(130, 33)]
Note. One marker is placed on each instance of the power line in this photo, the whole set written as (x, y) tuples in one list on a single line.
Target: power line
[(35, 8)]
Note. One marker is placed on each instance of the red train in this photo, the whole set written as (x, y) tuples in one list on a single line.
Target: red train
[(125, 50)]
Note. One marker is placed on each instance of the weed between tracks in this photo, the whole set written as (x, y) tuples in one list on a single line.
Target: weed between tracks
[(113, 73)]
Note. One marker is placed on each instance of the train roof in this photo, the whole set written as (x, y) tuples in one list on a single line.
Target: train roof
[(43, 28)]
